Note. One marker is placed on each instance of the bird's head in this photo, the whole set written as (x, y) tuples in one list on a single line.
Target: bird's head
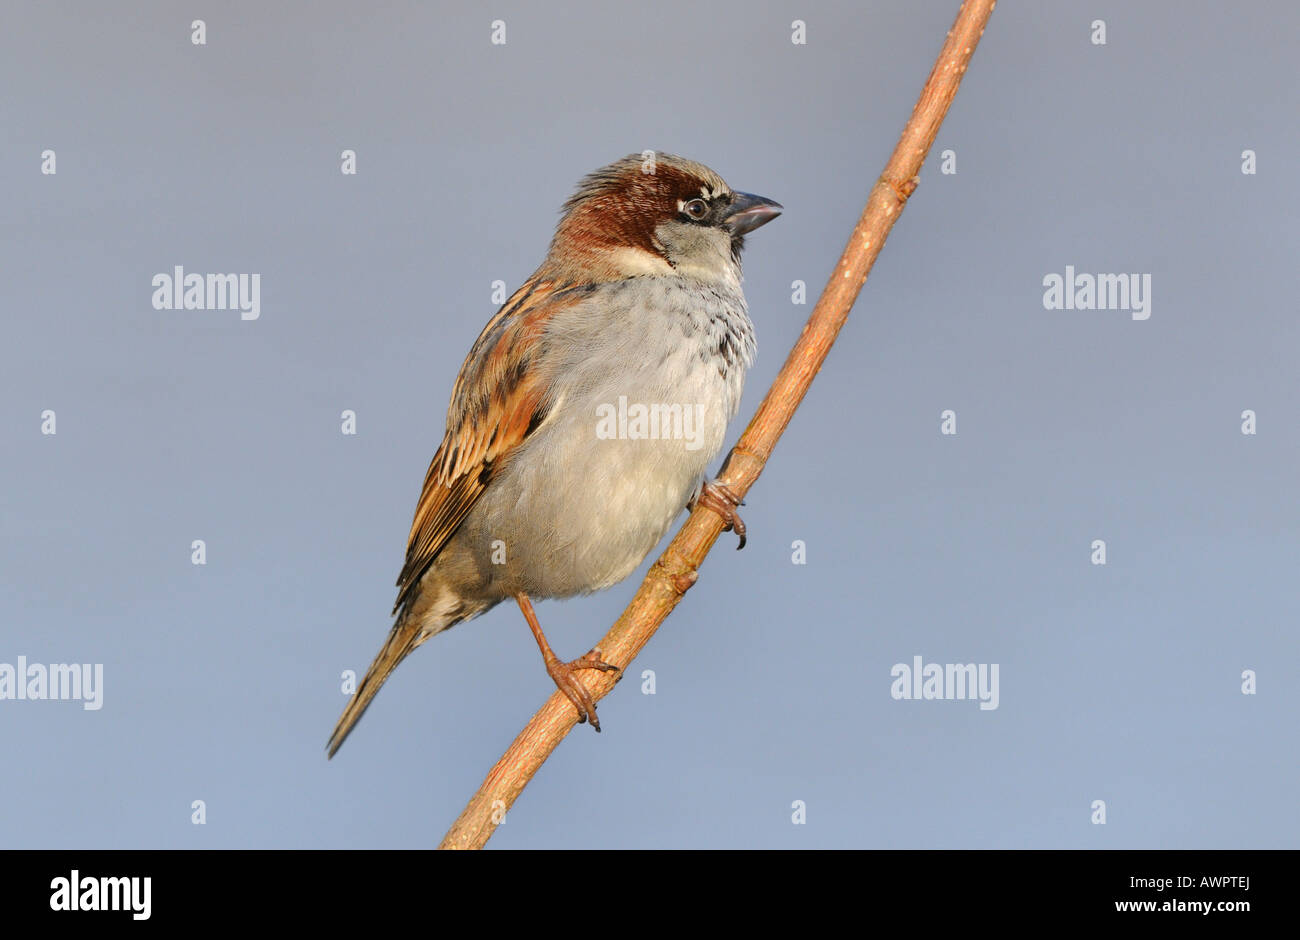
[(655, 214)]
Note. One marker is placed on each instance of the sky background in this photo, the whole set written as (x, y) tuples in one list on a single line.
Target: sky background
[(222, 682)]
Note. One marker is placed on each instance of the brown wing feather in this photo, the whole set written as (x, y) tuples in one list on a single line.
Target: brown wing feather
[(498, 400)]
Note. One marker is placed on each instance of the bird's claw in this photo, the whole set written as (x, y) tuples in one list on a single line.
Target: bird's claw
[(564, 675), (720, 499)]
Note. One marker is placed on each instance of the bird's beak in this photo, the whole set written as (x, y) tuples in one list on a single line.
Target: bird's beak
[(748, 212)]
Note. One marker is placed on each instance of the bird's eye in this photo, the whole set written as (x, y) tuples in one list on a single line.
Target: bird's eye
[(696, 209)]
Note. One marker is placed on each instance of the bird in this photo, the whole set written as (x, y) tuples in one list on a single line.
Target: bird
[(586, 414)]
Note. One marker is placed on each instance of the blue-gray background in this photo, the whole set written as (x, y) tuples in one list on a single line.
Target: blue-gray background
[(1118, 683)]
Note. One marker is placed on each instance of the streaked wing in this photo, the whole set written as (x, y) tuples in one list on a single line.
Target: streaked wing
[(498, 400)]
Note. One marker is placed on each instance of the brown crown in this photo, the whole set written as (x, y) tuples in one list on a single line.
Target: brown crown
[(619, 206)]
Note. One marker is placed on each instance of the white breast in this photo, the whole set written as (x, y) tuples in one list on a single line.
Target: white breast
[(646, 381)]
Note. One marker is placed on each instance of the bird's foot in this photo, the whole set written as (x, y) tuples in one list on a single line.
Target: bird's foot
[(566, 680), (720, 499)]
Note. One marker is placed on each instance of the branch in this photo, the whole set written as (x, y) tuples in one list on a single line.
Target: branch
[(677, 568)]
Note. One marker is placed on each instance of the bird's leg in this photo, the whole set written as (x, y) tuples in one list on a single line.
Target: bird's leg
[(716, 496), (564, 674)]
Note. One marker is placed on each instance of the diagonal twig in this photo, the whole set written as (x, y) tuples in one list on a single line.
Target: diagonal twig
[(677, 568)]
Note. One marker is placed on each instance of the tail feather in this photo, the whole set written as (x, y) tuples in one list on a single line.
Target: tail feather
[(404, 637)]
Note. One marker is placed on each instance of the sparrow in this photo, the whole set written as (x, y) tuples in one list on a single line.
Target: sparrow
[(586, 413)]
